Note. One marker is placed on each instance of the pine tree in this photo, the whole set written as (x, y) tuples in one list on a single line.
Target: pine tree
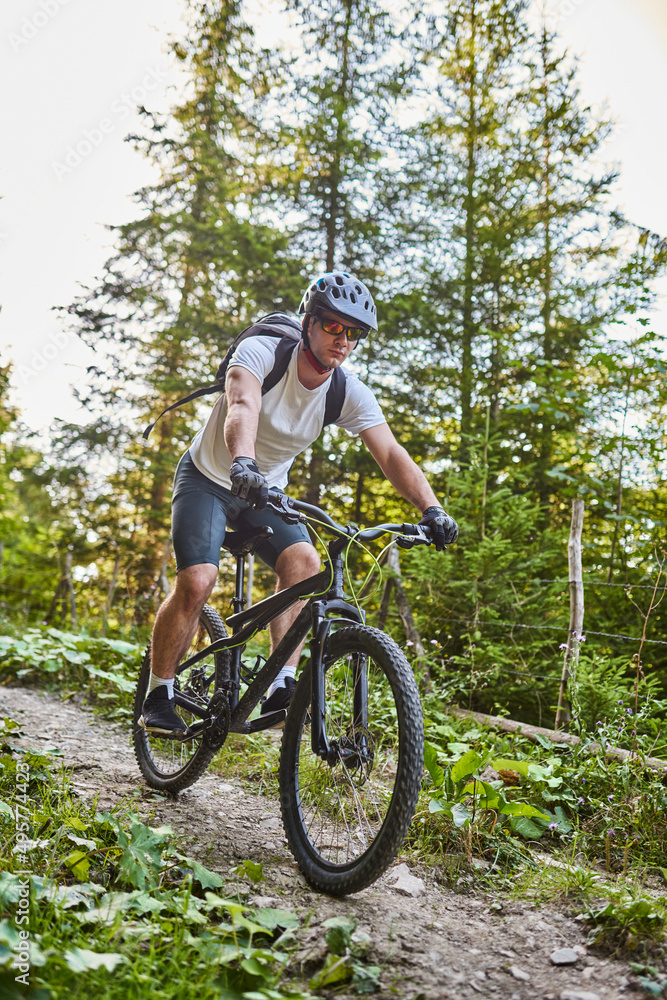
[(338, 117), (464, 200), (194, 268)]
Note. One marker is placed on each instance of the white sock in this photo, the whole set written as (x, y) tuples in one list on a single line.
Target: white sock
[(280, 679), (156, 681)]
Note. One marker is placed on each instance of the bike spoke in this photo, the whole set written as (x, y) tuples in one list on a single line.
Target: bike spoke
[(343, 806)]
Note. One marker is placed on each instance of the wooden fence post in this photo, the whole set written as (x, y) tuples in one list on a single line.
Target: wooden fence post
[(571, 657)]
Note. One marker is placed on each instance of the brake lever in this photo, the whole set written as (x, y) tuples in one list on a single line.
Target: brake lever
[(282, 506), (413, 534)]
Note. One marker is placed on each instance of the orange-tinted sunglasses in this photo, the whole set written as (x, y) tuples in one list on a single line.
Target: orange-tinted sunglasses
[(335, 328)]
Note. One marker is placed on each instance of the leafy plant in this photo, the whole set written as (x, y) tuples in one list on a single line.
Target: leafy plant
[(462, 794), (625, 921), (106, 668), (345, 961), (116, 907)]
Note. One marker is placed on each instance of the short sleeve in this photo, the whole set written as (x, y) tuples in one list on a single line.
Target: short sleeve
[(257, 355), (361, 409)]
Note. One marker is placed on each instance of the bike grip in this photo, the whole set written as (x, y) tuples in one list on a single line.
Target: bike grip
[(410, 529)]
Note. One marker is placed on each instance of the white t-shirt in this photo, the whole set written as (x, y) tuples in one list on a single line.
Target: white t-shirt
[(290, 419)]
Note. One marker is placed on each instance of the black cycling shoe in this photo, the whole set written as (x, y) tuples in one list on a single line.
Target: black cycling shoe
[(159, 717), (277, 704)]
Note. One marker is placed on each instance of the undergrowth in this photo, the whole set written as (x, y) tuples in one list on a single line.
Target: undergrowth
[(492, 806), (98, 903)]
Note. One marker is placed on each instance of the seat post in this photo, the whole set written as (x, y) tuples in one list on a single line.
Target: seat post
[(239, 600)]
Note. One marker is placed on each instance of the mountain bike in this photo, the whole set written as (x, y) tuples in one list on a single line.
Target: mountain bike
[(352, 748)]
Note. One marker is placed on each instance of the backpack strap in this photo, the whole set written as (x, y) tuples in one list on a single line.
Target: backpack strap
[(204, 390), (335, 397), (283, 356)]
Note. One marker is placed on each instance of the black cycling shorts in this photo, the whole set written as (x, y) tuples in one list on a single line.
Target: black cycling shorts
[(201, 510)]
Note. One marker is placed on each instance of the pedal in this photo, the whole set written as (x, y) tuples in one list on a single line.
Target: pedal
[(275, 720), (157, 735)]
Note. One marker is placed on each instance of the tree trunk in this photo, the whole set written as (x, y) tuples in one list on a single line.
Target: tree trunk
[(619, 493), (68, 587), (315, 473), (559, 737), (54, 602), (163, 585), (468, 332), (384, 603), (111, 593), (333, 207), (546, 436)]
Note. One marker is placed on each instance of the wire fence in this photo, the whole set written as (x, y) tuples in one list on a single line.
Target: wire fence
[(563, 580), (472, 623)]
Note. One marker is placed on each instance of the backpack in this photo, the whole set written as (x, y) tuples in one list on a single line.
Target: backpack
[(288, 332)]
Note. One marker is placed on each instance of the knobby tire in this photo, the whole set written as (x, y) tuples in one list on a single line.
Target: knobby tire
[(172, 765), (345, 821)]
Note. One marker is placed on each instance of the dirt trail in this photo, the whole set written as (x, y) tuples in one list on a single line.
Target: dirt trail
[(433, 946)]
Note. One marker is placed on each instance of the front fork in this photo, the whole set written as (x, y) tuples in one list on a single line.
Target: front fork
[(321, 628)]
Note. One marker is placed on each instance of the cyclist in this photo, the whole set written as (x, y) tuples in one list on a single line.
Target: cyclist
[(248, 444)]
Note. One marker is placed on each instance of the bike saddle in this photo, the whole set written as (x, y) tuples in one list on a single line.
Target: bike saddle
[(245, 541)]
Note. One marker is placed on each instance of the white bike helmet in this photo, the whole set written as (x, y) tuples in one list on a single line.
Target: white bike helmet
[(343, 294)]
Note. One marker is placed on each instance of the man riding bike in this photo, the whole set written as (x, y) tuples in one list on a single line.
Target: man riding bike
[(248, 444)]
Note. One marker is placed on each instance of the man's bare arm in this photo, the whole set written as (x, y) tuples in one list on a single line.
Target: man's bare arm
[(394, 461), (244, 400)]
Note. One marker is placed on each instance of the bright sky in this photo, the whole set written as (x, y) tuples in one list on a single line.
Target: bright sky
[(71, 72)]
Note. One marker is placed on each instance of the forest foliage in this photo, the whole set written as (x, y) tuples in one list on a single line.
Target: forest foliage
[(448, 157)]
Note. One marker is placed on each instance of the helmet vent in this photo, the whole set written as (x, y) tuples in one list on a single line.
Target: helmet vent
[(335, 292), (353, 297), (340, 280)]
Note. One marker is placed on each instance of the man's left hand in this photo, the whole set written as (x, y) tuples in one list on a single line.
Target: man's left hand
[(444, 528)]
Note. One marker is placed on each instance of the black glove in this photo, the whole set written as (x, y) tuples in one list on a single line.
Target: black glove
[(444, 528), (248, 482)]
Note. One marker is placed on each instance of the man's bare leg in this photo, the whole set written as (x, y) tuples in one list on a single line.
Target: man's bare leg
[(293, 565), (176, 621), (175, 626)]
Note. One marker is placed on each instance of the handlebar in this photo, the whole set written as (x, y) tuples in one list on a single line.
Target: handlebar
[(292, 512)]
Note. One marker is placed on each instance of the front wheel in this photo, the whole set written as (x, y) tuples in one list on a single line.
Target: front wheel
[(171, 765), (346, 818)]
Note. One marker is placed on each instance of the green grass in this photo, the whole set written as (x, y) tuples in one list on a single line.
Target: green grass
[(114, 909)]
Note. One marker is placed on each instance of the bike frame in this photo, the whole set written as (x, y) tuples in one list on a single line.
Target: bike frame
[(325, 608)]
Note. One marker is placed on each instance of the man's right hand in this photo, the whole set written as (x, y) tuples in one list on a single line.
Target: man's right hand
[(248, 483)]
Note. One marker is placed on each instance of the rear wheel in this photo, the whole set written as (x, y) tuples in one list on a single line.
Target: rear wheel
[(171, 765), (346, 818)]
